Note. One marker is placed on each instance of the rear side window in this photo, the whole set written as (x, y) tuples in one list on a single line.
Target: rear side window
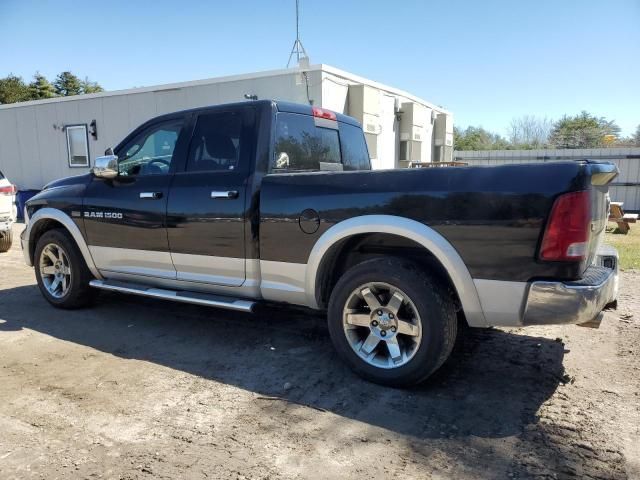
[(302, 146), (215, 145), (355, 155), (1, 176)]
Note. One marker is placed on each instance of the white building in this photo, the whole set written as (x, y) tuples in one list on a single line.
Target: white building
[(48, 139)]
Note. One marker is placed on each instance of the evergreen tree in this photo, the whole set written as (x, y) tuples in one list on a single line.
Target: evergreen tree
[(583, 131), (90, 87), (40, 87), (67, 84)]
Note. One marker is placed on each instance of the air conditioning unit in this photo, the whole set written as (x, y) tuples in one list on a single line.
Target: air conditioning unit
[(412, 122), (364, 106), (443, 130)]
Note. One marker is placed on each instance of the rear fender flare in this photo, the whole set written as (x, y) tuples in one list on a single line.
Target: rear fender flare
[(412, 230)]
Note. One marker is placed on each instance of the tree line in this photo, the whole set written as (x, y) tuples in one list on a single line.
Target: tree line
[(530, 132), (14, 89)]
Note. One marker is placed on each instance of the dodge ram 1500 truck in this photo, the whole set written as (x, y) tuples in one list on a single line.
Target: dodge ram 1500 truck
[(235, 204)]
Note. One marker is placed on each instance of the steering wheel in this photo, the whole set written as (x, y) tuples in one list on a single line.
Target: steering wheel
[(161, 161)]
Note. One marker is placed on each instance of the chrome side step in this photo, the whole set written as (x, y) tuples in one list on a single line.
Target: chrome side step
[(195, 298)]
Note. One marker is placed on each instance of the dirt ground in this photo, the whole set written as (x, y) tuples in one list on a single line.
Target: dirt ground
[(137, 389)]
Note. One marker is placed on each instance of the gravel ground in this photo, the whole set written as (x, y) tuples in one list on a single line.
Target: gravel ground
[(134, 388)]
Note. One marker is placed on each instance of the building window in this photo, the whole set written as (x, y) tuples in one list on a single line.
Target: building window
[(77, 145)]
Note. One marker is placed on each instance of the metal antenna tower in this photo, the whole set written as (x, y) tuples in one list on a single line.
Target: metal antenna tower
[(298, 49)]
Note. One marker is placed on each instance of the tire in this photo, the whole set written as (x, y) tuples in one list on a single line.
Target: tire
[(6, 239), (425, 323), (72, 290)]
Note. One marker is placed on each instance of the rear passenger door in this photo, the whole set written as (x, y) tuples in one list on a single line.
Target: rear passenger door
[(206, 211)]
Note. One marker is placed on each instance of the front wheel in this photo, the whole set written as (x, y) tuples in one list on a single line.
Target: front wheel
[(62, 274), (392, 322)]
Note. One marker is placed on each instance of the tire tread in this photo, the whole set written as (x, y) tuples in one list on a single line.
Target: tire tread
[(6, 240)]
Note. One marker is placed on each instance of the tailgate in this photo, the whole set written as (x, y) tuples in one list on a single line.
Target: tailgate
[(602, 174)]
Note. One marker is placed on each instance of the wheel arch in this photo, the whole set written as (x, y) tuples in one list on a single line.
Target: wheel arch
[(46, 219), (342, 236)]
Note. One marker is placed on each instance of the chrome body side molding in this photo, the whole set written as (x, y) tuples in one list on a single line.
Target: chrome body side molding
[(195, 298), (72, 228), (412, 230)]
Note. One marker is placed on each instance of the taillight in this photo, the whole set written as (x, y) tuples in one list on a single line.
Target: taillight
[(9, 190), (566, 237), (322, 113)]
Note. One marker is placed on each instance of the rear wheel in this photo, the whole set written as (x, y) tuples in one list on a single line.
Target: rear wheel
[(6, 239), (61, 272), (392, 322)]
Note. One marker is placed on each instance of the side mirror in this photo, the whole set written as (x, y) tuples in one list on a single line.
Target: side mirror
[(106, 167)]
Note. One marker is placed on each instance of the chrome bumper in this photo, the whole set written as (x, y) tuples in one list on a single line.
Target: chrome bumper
[(573, 302)]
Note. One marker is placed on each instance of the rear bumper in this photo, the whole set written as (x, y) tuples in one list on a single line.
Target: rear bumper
[(571, 302), (513, 304)]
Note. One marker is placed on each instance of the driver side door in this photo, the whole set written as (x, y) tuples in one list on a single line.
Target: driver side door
[(125, 217)]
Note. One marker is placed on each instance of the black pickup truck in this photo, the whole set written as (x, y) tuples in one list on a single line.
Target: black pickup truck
[(235, 204)]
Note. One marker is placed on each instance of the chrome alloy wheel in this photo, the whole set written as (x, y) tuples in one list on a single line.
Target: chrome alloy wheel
[(382, 325), (55, 270)]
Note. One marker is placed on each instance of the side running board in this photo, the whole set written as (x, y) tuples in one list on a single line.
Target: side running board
[(196, 298)]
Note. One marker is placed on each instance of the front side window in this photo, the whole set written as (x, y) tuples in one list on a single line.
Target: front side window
[(77, 145), (151, 152), (302, 146), (215, 145)]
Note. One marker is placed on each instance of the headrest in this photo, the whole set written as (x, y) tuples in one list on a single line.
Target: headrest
[(220, 146)]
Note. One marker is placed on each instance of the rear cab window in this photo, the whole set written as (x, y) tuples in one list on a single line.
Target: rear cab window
[(302, 146)]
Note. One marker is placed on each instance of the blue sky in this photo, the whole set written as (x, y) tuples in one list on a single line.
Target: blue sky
[(486, 61)]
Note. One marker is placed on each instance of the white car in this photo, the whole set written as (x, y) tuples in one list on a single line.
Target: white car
[(8, 212)]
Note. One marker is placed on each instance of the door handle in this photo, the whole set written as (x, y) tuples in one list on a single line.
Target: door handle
[(151, 195), (228, 194)]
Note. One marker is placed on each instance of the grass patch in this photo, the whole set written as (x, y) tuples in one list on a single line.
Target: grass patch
[(628, 245)]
